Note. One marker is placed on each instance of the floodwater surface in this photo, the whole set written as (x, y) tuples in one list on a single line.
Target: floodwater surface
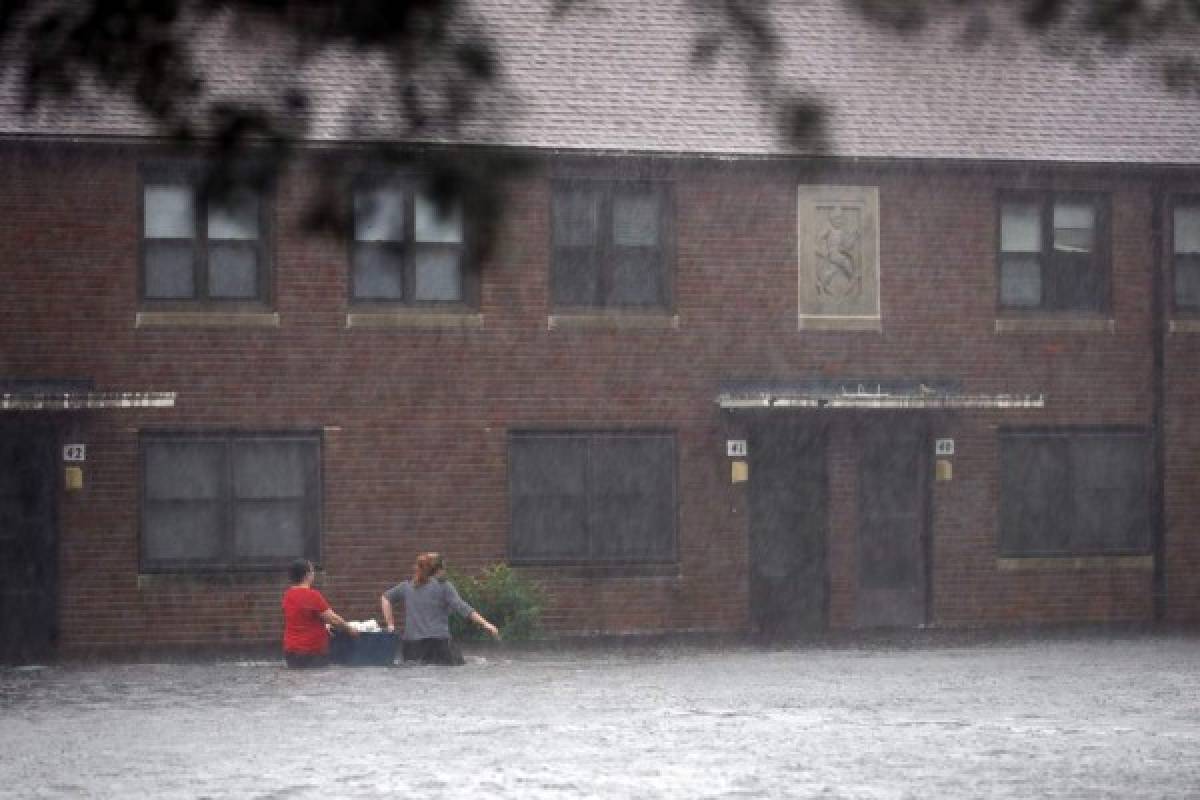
[(1062, 718)]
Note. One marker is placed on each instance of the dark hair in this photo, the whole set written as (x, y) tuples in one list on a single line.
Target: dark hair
[(298, 569)]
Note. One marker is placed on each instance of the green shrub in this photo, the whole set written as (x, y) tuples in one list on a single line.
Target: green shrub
[(510, 602)]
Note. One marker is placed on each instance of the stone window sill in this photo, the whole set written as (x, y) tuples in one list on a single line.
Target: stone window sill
[(1074, 563), (415, 319), (1190, 325), (206, 319), (612, 321), (828, 323), (1056, 324)]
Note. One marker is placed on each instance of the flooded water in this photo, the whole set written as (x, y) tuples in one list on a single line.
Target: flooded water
[(1019, 719)]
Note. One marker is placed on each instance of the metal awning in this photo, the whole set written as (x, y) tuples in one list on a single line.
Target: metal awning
[(78, 401), (73, 395), (891, 394)]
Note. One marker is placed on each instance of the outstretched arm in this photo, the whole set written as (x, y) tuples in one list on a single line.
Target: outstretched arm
[(478, 619)]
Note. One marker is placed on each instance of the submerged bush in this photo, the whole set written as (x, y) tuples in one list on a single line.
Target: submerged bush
[(510, 602)]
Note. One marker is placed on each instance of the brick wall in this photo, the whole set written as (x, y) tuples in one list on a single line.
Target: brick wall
[(415, 419)]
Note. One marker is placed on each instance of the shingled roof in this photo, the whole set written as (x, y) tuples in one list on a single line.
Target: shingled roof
[(621, 76)]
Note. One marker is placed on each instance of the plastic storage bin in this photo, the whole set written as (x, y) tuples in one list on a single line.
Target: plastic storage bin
[(368, 650)]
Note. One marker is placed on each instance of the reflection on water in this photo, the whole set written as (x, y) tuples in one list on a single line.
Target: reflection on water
[(1059, 718)]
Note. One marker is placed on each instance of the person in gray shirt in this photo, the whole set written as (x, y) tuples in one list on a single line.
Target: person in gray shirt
[(428, 603)]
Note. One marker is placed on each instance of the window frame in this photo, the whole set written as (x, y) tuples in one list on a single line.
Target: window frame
[(671, 558), (1100, 262), (603, 250), (195, 178), (1191, 200), (1069, 436), (410, 184), (313, 501)]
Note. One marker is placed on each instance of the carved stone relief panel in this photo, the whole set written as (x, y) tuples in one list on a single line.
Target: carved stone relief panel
[(839, 257)]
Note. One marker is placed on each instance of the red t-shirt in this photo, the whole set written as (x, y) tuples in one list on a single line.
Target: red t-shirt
[(303, 630)]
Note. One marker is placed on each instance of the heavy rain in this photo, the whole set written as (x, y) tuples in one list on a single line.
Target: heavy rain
[(731, 398)]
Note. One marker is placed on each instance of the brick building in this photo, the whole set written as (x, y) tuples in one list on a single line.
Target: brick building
[(939, 373)]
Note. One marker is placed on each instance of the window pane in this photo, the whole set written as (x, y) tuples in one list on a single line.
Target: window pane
[(549, 502), (232, 270), (637, 278), (1111, 493), (635, 219), (575, 279), (379, 215), (1073, 282), (179, 531), (177, 470), (1034, 517), (548, 464), (271, 469), (234, 216), (431, 225), (576, 217), (633, 497), (438, 276), (1187, 281), (378, 272), (1187, 229), (170, 270), (1020, 228), (1020, 282), (1074, 227), (547, 528), (169, 212), (272, 530)]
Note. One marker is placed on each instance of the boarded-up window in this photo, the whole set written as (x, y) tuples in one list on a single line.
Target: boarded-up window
[(201, 244), (599, 497), (408, 246), (1074, 493), (1053, 253), (610, 241), (229, 501)]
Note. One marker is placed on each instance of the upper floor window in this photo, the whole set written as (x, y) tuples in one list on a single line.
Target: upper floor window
[(408, 247), (1074, 493), (229, 501), (592, 497), (611, 244), (1053, 253), (201, 245), (1185, 226)]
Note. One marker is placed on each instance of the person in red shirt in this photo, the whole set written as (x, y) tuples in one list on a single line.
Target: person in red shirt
[(305, 616)]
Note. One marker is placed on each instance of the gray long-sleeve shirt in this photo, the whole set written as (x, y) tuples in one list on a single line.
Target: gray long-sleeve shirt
[(427, 608)]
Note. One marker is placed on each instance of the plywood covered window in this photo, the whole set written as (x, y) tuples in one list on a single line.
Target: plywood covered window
[(1074, 493), (229, 501), (592, 497)]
